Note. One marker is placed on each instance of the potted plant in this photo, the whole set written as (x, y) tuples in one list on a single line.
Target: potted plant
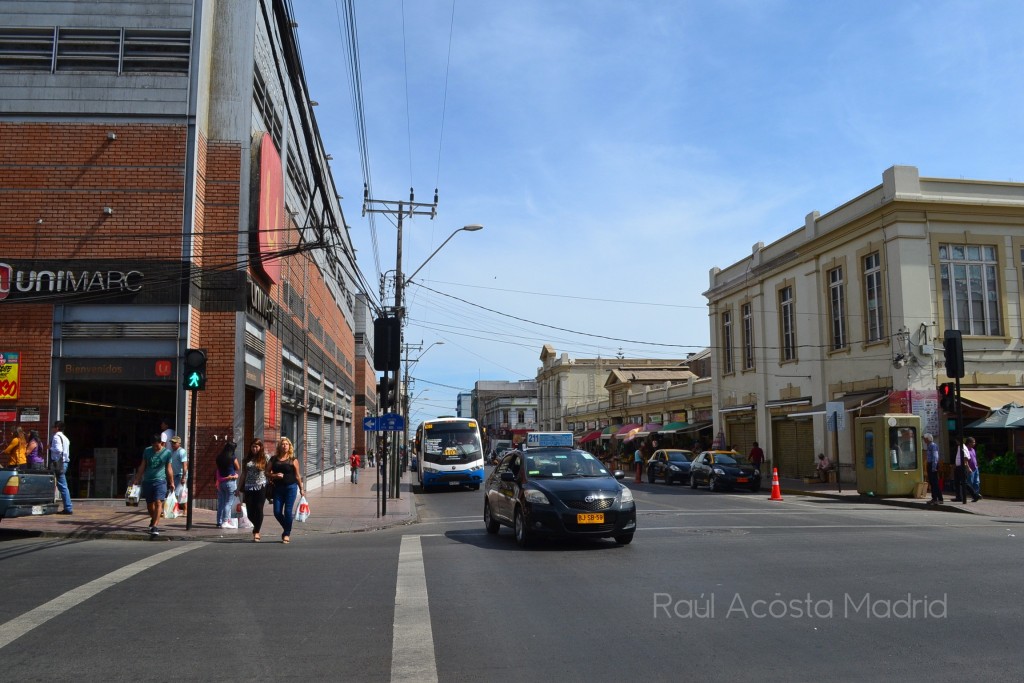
[(1000, 477)]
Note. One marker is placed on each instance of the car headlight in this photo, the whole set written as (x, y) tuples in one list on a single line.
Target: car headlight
[(756, 473), (625, 495), (536, 497), (674, 468), (719, 471)]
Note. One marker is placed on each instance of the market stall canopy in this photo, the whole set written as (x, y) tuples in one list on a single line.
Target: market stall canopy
[(673, 427), (1001, 418), (695, 427), (591, 436), (610, 431), (650, 428), (627, 432), (993, 398)]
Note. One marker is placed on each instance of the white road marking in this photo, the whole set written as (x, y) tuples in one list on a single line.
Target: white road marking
[(19, 626), (412, 647)]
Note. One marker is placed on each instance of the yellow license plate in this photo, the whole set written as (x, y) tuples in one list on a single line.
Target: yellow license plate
[(590, 518)]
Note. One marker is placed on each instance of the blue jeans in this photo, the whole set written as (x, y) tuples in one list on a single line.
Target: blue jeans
[(974, 481), (225, 500), (284, 506), (65, 492), (355, 475)]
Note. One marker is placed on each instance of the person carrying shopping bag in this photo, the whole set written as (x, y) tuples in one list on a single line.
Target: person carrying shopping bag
[(283, 472), (252, 486), (227, 483)]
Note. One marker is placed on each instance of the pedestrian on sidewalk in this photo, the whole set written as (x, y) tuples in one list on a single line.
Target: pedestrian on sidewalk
[(34, 452), (227, 482), (60, 456), (179, 465), (960, 473), (252, 486), (756, 456), (638, 463), (154, 472), (931, 452), (17, 447), (284, 473), (824, 465), (354, 463), (971, 470)]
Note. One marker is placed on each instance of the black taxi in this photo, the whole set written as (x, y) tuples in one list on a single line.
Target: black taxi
[(558, 492)]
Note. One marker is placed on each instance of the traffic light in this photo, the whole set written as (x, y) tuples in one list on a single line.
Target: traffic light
[(953, 349), (947, 397), (194, 365), (386, 392)]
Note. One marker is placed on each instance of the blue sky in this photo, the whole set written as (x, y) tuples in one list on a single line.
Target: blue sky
[(615, 152)]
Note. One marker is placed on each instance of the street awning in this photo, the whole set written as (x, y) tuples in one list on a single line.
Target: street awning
[(851, 402), (628, 431), (695, 427), (1006, 417), (673, 427), (591, 436), (993, 399), (609, 431), (651, 428)]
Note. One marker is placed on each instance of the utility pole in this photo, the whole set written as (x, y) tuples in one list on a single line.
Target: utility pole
[(399, 209)]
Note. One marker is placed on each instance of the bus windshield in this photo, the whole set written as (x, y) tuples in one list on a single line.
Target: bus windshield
[(451, 443)]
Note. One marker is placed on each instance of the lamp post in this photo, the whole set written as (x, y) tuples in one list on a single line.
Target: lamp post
[(405, 393), (400, 281)]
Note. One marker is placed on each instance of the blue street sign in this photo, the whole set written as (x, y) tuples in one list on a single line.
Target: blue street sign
[(391, 422), (371, 424)]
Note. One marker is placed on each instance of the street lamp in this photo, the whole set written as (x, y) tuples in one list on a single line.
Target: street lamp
[(405, 392), (473, 227)]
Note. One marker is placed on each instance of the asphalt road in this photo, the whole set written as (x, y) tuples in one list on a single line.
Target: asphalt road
[(714, 587)]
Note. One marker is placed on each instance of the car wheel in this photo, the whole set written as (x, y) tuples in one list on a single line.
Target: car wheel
[(650, 477), (624, 539), (693, 482), (523, 537), (476, 487), (668, 480), (713, 484), (489, 521)]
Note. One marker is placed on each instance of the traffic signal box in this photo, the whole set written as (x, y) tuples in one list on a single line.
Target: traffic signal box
[(947, 397), (194, 370)]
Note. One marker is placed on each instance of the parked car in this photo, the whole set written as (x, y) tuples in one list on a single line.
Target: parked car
[(670, 464), (558, 492), (723, 470)]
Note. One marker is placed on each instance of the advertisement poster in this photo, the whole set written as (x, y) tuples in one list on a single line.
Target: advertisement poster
[(8, 374)]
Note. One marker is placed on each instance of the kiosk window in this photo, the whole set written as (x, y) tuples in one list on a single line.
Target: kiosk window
[(903, 442)]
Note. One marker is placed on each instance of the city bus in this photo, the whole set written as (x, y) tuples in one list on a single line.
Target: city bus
[(449, 453)]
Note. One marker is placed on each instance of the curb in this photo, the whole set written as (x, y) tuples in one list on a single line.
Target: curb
[(862, 499)]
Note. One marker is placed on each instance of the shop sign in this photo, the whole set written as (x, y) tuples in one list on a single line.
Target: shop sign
[(269, 213), (8, 415), (124, 369), (9, 367), (260, 304), (70, 281), (28, 414)]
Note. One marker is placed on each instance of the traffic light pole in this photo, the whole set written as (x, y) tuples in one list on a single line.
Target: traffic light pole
[(191, 476)]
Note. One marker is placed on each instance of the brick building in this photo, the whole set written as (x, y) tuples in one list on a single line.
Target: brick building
[(164, 187)]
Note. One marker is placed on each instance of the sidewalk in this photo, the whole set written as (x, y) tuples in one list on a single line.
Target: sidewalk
[(989, 507), (336, 507)]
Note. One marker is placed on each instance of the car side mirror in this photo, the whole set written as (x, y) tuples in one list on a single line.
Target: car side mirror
[(618, 474), (508, 476)]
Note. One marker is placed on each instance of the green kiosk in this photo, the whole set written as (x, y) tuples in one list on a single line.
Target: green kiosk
[(890, 457)]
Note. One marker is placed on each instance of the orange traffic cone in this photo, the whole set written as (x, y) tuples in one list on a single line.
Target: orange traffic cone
[(776, 491)]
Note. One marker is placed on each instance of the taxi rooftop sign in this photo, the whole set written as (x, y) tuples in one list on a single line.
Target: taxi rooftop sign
[(546, 439)]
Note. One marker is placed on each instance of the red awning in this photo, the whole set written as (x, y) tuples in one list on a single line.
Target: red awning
[(591, 436)]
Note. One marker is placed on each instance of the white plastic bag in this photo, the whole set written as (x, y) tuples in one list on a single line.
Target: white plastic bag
[(171, 506), (181, 491), (131, 496), (229, 524), (243, 521), (303, 514)]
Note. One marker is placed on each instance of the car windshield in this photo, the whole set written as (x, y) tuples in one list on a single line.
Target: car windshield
[(563, 464), (731, 460), (680, 456)]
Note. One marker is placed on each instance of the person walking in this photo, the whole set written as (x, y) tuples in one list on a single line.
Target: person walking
[(60, 456), (252, 486), (34, 452), (166, 431), (283, 471), (14, 454), (756, 456), (971, 474), (959, 473), (179, 465), (931, 452), (354, 462), (154, 473), (227, 482), (638, 463)]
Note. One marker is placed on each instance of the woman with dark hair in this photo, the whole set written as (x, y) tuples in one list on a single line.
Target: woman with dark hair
[(252, 485), (34, 451), (227, 482), (283, 471)]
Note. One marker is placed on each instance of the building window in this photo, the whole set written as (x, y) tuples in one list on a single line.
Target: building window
[(727, 342), (748, 336), (71, 49), (787, 323), (970, 291), (874, 320), (837, 308)]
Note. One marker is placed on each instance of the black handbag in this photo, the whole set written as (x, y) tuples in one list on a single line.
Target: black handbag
[(269, 490)]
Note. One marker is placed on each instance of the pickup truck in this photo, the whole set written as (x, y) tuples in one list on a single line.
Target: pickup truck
[(26, 493)]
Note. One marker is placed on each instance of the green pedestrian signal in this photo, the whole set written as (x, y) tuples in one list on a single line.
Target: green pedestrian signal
[(195, 369)]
